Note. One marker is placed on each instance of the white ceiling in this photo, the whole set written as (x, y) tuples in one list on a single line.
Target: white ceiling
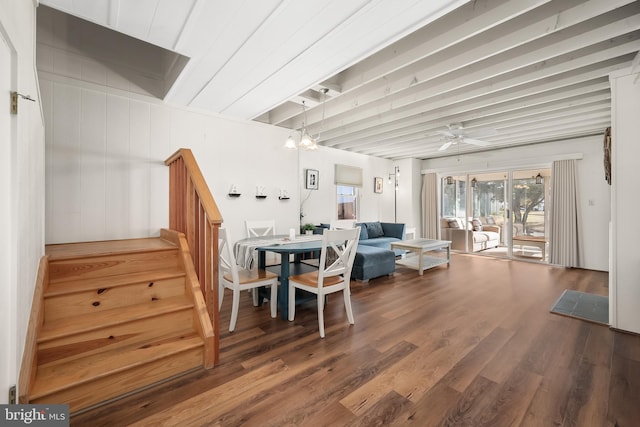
[(398, 71)]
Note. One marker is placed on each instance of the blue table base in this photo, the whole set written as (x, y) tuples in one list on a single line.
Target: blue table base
[(285, 270)]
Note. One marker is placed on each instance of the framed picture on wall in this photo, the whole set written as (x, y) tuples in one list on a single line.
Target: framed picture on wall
[(377, 184), (311, 179)]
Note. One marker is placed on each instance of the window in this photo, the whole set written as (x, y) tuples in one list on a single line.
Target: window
[(347, 202)]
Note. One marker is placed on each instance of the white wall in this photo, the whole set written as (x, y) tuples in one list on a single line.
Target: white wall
[(22, 189), (320, 206), (624, 286), (106, 145), (106, 177), (594, 192)]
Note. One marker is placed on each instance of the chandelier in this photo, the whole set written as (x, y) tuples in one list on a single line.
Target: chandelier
[(307, 141)]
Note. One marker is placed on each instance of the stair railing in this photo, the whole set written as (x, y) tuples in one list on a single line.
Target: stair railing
[(193, 211)]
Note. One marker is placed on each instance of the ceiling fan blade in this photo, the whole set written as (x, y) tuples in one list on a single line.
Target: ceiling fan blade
[(446, 133), (445, 146), (476, 142)]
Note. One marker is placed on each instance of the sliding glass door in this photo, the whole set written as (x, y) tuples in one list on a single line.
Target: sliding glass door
[(454, 212), (530, 191), (498, 214)]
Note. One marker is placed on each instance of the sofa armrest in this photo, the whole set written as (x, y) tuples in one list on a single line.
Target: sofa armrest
[(392, 229), (457, 238)]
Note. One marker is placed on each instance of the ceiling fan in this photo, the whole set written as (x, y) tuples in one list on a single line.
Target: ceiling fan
[(456, 134)]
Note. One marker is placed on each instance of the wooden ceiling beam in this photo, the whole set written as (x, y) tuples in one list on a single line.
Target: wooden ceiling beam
[(499, 121), (360, 119), (435, 113), (510, 46)]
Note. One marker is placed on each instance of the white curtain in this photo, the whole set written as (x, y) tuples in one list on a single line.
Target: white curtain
[(430, 221), (564, 239)]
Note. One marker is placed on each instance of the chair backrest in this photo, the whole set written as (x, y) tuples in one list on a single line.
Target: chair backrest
[(343, 244), (260, 228), (342, 224), (226, 256)]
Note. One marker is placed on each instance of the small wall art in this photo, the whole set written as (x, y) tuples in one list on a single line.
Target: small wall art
[(377, 184), (311, 179)]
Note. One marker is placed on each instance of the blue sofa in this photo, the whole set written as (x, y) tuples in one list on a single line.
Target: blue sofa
[(374, 257), (381, 234)]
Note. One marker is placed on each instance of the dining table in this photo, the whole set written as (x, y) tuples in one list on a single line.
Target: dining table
[(286, 247)]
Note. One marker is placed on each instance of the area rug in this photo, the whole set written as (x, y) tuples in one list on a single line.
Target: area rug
[(589, 307)]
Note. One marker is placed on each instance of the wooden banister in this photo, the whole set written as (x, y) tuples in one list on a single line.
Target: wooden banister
[(193, 212), (201, 315)]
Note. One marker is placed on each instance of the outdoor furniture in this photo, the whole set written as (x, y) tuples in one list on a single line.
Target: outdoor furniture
[(479, 238), (539, 242)]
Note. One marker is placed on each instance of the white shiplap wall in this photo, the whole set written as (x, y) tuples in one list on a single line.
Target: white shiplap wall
[(22, 187), (106, 177)]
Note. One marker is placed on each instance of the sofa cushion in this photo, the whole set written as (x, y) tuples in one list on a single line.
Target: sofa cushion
[(490, 220), (453, 223), (380, 242), (477, 225), (485, 236), (363, 231), (392, 229), (371, 262), (374, 229)]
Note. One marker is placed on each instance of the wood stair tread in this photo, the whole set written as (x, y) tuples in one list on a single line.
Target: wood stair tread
[(62, 375), (66, 251), (62, 287), (93, 321)]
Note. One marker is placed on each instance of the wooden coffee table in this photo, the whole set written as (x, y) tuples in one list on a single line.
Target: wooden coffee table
[(535, 241), (423, 262)]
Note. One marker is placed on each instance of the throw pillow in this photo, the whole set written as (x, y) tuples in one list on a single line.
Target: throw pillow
[(363, 231), (490, 221), (477, 225), (374, 229), (453, 223)]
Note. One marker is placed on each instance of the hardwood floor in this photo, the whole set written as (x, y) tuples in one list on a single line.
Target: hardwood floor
[(469, 345)]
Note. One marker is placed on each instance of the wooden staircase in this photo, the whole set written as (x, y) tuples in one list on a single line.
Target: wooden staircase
[(116, 317)]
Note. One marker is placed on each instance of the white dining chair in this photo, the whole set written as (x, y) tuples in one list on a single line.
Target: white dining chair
[(238, 279), (342, 224), (260, 228), (334, 275)]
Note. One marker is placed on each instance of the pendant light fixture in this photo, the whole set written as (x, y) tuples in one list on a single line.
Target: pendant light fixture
[(307, 141)]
